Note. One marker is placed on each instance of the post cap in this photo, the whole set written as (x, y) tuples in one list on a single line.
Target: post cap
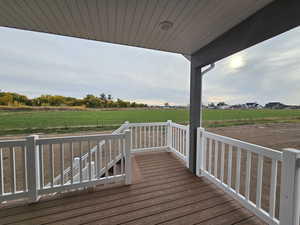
[(292, 151), (34, 136), (127, 131)]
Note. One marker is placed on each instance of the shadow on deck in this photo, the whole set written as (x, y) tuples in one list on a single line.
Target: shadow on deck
[(163, 192)]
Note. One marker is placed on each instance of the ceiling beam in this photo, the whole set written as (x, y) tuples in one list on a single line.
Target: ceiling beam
[(274, 19)]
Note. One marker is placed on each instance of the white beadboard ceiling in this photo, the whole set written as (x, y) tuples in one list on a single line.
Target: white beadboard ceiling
[(132, 22)]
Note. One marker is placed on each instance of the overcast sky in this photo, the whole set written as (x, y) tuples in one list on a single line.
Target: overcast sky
[(34, 63)]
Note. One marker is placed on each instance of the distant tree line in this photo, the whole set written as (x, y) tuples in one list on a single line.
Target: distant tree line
[(90, 101)]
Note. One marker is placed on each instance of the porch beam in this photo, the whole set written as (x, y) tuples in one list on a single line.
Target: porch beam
[(274, 19), (195, 112)]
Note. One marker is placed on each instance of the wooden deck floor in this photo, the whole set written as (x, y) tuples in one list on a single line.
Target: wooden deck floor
[(164, 192)]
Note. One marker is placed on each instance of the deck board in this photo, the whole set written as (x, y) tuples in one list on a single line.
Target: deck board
[(164, 192)]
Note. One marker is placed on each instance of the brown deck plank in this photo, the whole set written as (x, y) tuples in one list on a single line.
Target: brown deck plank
[(81, 208), (182, 211), (165, 192), (205, 215), (79, 203), (162, 166), (124, 189), (233, 217), (140, 209), (154, 174), (161, 171), (251, 221)]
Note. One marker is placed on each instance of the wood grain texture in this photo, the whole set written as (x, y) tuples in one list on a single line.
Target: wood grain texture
[(160, 194)]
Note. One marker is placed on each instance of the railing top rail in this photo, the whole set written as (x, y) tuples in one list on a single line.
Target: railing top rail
[(296, 151), (180, 126), (268, 152), (12, 143), (56, 140), (120, 129), (147, 124)]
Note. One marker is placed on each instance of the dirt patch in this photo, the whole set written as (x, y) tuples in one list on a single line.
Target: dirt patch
[(275, 136)]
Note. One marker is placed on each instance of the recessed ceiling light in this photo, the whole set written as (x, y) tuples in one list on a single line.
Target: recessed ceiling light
[(166, 25)]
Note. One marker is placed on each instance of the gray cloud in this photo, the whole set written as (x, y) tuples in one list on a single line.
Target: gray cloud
[(271, 73), (35, 63)]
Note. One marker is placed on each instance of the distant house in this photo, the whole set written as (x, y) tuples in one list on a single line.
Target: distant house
[(172, 107), (293, 107), (248, 105), (222, 105), (252, 105), (211, 106), (237, 106), (275, 105)]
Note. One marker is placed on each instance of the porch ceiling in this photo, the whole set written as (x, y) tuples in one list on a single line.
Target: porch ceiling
[(132, 22)]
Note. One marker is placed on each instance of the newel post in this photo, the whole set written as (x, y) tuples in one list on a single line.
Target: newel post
[(290, 188), (200, 151), (32, 167), (127, 127), (126, 124), (128, 164), (169, 134)]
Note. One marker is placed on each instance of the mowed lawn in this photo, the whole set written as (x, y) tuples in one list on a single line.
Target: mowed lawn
[(49, 119)]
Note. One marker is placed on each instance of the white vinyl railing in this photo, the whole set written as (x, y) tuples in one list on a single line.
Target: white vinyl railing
[(49, 165), (265, 181), (68, 173), (249, 173), (179, 141), (13, 174), (159, 136), (148, 136)]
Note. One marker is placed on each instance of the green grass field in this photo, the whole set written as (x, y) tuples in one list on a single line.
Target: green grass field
[(65, 121)]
